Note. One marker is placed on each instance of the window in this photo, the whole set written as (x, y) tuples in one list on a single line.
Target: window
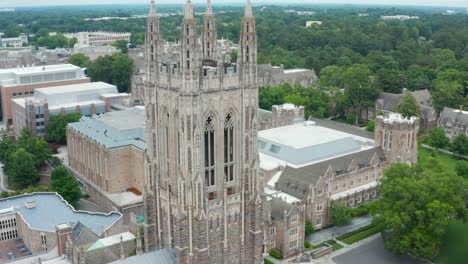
[(43, 242), (272, 231), (275, 149), (293, 238), (229, 148), (319, 207), (209, 144), (294, 219), (319, 192), (318, 221)]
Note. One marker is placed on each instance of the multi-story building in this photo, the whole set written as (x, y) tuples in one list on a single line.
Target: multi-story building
[(269, 75), (106, 152), (21, 82), (15, 58), (18, 42), (399, 17), (454, 122), (388, 102), (85, 98), (203, 196), (317, 166), (98, 38), (39, 219)]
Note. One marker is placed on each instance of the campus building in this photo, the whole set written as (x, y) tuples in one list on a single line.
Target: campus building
[(454, 122), (106, 153), (43, 221), (98, 38), (18, 42), (22, 82), (86, 98)]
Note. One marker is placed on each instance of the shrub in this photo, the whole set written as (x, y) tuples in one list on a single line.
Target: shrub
[(276, 254), (462, 168), (266, 261), (309, 228), (341, 214), (307, 244), (370, 126)]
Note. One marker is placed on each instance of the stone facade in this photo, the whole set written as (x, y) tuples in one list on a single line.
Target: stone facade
[(398, 137), (454, 122), (387, 103), (281, 115), (204, 197), (269, 75)]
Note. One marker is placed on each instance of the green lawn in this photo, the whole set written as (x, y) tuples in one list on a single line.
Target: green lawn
[(359, 234), (447, 160)]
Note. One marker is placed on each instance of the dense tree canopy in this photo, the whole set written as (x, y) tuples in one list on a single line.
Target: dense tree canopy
[(418, 204), (22, 170), (115, 69), (437, 138), (57, 127), (66, 185)]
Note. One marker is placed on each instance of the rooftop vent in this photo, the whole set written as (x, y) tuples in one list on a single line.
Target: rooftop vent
[(30, 204)]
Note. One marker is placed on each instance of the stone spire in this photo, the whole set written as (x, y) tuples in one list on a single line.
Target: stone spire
[(209, 34), (152, 8), (139, 250), (188, 14), (209, 8), (248, 9)]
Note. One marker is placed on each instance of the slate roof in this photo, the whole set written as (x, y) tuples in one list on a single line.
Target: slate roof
[(161, 256), (423, 97), (353, 130), (115, 129), (296, 181), (278, 207), (450, 117)]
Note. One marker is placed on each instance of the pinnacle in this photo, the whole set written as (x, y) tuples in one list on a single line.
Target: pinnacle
[(248, 9), (188, 14)]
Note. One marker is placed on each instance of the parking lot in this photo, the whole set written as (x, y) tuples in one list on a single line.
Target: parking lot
[(13, 249)]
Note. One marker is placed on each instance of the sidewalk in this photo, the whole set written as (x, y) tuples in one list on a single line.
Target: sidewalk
[(334, 231)]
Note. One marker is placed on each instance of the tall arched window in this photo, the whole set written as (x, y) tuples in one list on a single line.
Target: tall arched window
[(209, 148), (229, 148)]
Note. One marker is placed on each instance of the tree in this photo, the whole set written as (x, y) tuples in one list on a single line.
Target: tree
[(462, 168), (80, 60), (359, 91), (57, 127), (331, 76), (101, 69), (417, 205), (309, 228), (437, 138), (122, 68), (22, 170), (391, 81), (122, 45), (341, 214), (35, 146), (460, 144), (66, 185), (408, 106), (447, 94)]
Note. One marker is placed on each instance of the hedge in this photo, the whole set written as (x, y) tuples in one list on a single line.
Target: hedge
[(360, 236), (359, 230), (266, 261), (276, 254)]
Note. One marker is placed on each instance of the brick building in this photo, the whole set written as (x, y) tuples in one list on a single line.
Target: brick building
[(21, 82)]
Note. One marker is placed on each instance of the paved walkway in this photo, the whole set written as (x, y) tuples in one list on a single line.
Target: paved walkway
[(334, 231)]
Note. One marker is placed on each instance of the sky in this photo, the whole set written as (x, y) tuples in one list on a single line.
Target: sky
[(17, 3)]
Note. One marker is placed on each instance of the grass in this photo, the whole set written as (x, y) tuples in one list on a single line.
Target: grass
[(447, 160), (359, 234), (266, 261)]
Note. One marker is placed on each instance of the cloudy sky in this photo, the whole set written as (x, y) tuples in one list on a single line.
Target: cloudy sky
[(14, 3)]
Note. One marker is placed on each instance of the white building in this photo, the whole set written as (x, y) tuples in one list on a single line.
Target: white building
[(98, 38), (17, 42), (399, 17), (86, 98)]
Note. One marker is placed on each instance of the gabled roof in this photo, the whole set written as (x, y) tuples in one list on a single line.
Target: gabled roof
[(453, 117), (280, 207), (296, 181), (423, 97)]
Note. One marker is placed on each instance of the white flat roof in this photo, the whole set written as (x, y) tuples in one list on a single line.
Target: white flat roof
[(40, 69), (74, 88), (303, 135), (349, 192), (283, 196)]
